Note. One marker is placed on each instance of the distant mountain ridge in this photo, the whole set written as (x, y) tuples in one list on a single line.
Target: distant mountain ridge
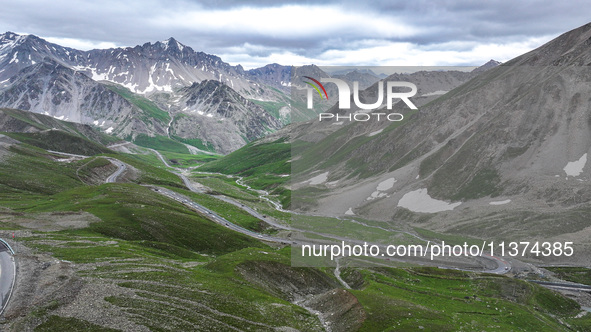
[(489, 65), (148, 68)]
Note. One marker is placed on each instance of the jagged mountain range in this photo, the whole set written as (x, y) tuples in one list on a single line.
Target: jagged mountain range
[(144, 69), (69, 84)]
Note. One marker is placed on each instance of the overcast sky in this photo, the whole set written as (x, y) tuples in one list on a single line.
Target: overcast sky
[(255, 33)]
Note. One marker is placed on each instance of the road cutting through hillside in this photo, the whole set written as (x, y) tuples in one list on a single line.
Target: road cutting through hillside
[(502, 266), (7, 274), (121, 167)]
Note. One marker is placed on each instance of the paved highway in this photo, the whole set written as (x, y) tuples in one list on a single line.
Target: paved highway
[(563, 285), (7, 274), (212, 215), (121, 167), (68, 154)]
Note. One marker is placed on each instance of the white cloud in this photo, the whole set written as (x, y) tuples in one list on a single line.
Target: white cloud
[(288, 21), (79, 44), (254, 33), (384, 53)]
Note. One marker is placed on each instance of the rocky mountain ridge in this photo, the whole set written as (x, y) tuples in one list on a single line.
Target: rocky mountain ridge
[(506, 150)]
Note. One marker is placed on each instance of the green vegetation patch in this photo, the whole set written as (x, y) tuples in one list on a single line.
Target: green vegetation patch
[(161, 143), (196, 142), (449, 300), (254, 159), (151, 111), (264, 165), (29, 170), (136, 213), (187, 160), (581, 275), (61, 141)]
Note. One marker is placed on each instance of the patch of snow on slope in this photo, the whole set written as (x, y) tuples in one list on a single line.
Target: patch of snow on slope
[(500, 202), (318, 179), (382, 186), (386, 184), (374, 133), (14, 58), (575, 168), (420, 201)]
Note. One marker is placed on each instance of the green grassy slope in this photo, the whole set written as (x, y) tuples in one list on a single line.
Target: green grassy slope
[(184, 272), (61, 141), (17, 121), (448, 300), (254, 159), (151, 111), (160, 143), (27, 170), (262, 165)]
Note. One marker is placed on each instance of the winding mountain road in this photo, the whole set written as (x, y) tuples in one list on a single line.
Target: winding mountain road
[(563, 285), (502, 266), (121, 167), (212, 215)]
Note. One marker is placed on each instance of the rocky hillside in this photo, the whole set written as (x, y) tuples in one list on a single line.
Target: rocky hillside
[(52, 89), (507, 149), (213, 112)]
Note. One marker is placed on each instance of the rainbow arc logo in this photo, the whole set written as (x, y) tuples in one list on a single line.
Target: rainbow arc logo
[(316, 87)]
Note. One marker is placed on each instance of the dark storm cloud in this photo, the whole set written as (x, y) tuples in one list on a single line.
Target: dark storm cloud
[(305, 30), (473, 20)]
